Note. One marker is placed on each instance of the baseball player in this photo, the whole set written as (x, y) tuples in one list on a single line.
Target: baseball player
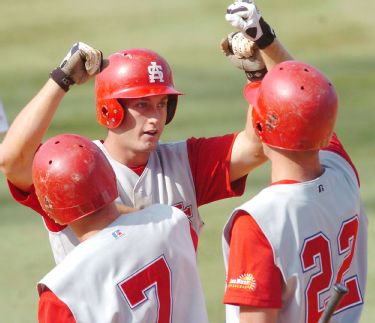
[(135, 99), (125, 268), (285, 248)]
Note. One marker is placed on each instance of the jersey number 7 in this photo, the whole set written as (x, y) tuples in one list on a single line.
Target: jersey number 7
[(317, 250), (154, 275)]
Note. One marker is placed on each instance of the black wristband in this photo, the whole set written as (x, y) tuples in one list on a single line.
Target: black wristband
[(268, 34), (63, 80), (256, 75)]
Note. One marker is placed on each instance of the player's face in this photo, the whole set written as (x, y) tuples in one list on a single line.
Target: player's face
[(144, 122)]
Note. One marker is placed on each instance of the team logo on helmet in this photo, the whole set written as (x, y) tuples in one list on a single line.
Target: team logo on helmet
[(155, 72)]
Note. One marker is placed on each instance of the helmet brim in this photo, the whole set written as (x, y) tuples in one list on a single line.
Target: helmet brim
[(142, 91), (251, 93)]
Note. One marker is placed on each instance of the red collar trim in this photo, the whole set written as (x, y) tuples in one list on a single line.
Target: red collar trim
[(285, 181), (138, 169)]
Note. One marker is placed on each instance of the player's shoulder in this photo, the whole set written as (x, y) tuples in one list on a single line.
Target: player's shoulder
[(169, 208), (171, 145), (275, 197), (339, 164), (332, 157), (172, 155), (264, 200), (165, 216), (165, 209), (157, 207)]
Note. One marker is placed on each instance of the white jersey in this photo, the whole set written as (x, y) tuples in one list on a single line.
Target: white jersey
[(318, 233), (3, 119), (140, 268), (167, 179)]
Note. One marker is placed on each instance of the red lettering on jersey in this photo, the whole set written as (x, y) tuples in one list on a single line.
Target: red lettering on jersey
[(155, 275), (316, 254), (346, 243), (187, 210)]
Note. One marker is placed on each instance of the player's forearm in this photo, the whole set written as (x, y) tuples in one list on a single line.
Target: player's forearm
[(247, 151), (250, 314), (26, 133), (274, 54)]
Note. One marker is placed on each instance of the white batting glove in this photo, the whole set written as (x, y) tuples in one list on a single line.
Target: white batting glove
[(244, 54), (245, 16), (80, 64), (239, 45)]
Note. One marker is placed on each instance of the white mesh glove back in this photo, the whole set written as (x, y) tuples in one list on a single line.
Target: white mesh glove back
[(245, 16)]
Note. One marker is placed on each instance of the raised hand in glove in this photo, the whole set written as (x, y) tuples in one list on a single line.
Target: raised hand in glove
[(244, 54), (244, 15), (80, 64)]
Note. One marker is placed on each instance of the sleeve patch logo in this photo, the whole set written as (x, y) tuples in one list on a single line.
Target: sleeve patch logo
[(117, 234), (245, 281)]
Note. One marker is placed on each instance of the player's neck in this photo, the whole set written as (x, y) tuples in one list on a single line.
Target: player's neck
[(86, 227), (301, 167), (125, 155)]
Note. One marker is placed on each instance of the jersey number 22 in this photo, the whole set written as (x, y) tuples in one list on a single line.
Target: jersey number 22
[(317, 250)]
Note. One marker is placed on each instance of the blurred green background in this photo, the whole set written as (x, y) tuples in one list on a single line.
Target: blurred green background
[(337, 36)]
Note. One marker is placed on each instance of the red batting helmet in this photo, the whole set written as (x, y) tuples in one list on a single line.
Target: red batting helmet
[(72, 178), (132, 73), (294, 107)]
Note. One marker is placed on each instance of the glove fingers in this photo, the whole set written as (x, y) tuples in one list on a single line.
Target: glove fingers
[(235, 21), (242, 9), (91, 57), (242, 52), (225, 46), (93, 61), (243, 1), (242, 47)]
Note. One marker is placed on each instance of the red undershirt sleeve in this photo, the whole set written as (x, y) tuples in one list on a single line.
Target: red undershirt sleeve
[(209, 160), (336, 146), (52, 310), (194, 237), (253, 279)]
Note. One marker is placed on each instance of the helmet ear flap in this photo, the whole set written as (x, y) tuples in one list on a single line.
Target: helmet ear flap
[(171, 108), (257, 123), (109, 113)]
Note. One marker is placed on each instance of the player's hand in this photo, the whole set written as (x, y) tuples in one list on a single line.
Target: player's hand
[(80, 64), (244, 54), (244, 15)]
